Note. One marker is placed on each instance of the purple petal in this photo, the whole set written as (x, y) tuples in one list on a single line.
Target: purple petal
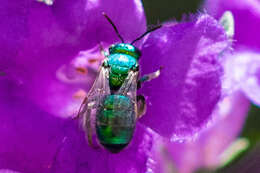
[(182, 98), (35, 141), (84, 19), (60, 89), (39, 47), (242, 70), (8, 171), (13, 28), (51, 45), (213, 141), (75, 154), (247, 19), (29, 136)]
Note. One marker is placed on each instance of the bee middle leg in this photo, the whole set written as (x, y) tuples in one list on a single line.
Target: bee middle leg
[(141, 106), (148, 77)]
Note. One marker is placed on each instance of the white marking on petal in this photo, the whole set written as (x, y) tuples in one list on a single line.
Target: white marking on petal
[(225, 107), (84, 58), (47, 2), (164, 39), (228, 22), (77, 70), (139, 5), (92, 4), (241, 72), (68, 74)]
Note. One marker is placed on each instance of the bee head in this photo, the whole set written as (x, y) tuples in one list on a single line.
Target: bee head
[(125, 48)]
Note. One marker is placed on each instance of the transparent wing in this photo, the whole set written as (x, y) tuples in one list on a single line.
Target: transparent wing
[(88, 109), (97, 92), (129, 88)]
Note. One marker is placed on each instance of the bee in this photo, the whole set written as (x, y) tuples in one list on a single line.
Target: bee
[(111, 108)]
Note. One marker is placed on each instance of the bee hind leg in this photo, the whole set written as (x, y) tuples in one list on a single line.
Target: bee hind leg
[(141, 106)]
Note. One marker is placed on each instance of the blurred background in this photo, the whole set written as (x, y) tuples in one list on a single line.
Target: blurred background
[(247, 160)]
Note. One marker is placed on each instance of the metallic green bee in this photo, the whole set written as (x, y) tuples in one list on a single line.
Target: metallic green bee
[(112, 106)]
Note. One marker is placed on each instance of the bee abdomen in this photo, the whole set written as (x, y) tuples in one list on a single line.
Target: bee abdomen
[(115, 122)]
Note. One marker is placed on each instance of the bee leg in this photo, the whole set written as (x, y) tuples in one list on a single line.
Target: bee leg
[(87, 125), (148, 77), (141, 106), (88, 128), (86, 120), (80, 109)]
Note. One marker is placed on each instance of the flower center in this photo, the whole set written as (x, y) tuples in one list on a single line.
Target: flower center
[(81, 67), (73, 80)]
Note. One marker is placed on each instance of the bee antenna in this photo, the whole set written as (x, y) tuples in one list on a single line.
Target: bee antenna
[(114, 26), (147, 32)]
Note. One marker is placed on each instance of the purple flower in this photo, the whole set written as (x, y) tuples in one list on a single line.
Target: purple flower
[(241, 85), (246, 15), (8, 171), (50, 59), (207, 150), (245, 60)]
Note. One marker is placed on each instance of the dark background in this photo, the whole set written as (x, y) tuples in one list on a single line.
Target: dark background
[(249, 160), (163, 10)]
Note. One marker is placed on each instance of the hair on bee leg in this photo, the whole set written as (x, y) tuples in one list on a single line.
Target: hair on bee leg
[(141, 106), (149, 77)]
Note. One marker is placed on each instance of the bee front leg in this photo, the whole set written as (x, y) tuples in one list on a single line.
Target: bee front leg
[(141, 106), (148, 77), (102, 50)]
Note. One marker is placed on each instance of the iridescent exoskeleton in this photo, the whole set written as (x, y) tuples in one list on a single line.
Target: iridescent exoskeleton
[(112, 106)]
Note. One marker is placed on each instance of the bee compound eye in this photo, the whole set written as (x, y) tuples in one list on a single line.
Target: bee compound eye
[(111, 48)]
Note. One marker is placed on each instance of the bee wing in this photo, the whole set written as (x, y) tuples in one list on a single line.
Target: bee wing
[(99, 89), (88, 109), (129, 87)]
